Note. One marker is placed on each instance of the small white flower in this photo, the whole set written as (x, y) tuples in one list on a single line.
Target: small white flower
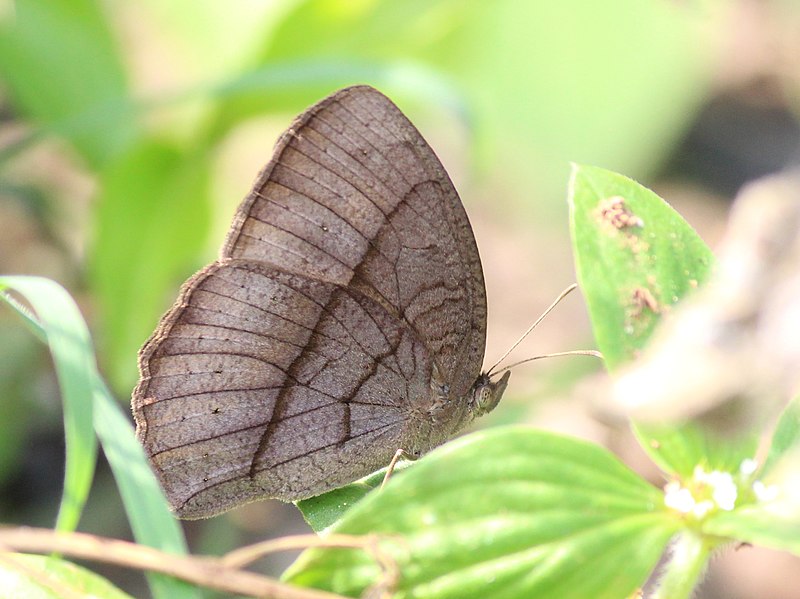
[(678, 498), (764, 492), (724, 489), (748, 467), (702, 508), (700, 474), (706, 492)]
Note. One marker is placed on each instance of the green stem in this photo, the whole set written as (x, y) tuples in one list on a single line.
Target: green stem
[(687, 562)]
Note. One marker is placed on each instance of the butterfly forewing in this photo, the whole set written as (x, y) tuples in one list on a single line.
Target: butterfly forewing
[(354, 195)]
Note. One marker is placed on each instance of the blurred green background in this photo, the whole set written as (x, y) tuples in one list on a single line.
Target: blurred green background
[(130, 131)]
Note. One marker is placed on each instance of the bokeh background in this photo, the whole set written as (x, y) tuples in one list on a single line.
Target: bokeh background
[(130, 131)]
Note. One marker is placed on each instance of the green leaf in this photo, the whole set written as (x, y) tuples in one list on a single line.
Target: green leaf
[(786, 437), (151, 221), (43, 577), (62, 326), (68, 338), (60, 65), (634, 256), (507, 512)]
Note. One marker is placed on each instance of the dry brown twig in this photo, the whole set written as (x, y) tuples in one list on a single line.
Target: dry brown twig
[(219, 573)]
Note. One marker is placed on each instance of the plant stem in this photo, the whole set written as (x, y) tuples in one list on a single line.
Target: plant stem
[(687, 562)]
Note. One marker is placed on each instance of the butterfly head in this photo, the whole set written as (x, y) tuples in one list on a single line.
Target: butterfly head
[(486, 393)]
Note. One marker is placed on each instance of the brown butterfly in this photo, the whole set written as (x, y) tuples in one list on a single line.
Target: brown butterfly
[(344, 319)]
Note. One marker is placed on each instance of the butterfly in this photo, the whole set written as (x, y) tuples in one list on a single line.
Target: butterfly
[(344, 319)]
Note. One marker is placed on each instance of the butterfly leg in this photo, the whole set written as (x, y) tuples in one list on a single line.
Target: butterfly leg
[(398, 455)]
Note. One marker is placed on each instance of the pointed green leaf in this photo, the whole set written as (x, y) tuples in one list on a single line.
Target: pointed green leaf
[(634, 256), (763, 525), (68, 338), (507, 512), (786, 437)]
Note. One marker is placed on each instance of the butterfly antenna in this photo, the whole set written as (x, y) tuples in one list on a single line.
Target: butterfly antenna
[(574, 352), (563, 294)]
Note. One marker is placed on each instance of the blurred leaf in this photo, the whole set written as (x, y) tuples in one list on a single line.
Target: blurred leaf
[(767, 525), (70, 345), (43, 577), (634, 256), (786, 436), (151, 224), (677, 450), (60, 64), (508, 512), (292, 86), (565, 103), (339, 44)]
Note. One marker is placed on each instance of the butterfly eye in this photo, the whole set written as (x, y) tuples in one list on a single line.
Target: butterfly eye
[(482, 397), (486, 394)]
